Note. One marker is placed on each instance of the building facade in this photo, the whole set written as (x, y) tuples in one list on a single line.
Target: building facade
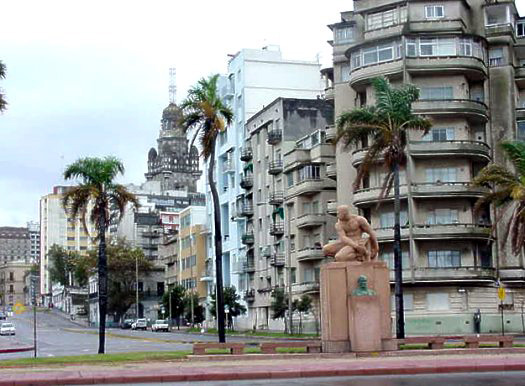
[(12, 283), (255, 78), (467, 58), (33, 228), (15, 244)]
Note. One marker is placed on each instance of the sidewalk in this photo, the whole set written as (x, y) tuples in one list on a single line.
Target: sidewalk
[(266, 367)]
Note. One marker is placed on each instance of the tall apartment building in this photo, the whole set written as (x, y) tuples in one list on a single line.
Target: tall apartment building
[(34, 237), (467, 58), (285, 202), (60, 228), (15, 244), (255, 78)]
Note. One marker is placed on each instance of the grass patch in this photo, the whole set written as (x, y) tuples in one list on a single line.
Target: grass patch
[(271, 334), (97, 358)]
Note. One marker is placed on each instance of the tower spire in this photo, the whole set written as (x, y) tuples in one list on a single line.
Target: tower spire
[(172, 86)]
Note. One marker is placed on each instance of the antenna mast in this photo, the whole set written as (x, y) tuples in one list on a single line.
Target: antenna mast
[(172, 87)]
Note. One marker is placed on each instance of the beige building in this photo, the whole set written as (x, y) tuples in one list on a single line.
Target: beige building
[(12, 283), (467, 58), (58, 227), (287, 193)]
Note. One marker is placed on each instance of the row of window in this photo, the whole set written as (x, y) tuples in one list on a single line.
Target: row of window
[(434, 217), (189, 262), (441, 258)]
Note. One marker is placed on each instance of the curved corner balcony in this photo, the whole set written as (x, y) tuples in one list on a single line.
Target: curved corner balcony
[(307, 254), (331, 171), (370, 196), (446, 189), (246, 182), (451, 231), (363, 75), (275, 167), (438, 25), (276, 198), (429, 149), (274, 136), (358, 155), (469, 66), (520, 113), (519, 75), (331, 207), (454, 274), (310, 186), (452, 108), (311, 287), (310, 220), (387, 234), (331, 133)]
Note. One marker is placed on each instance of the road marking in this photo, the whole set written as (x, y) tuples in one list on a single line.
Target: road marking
[(50, 355)]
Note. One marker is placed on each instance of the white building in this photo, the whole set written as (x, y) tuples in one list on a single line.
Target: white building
[(255, 78)]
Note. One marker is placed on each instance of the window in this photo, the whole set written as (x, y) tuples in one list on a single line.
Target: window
[(440, 134), (442, 216), (289, 179), (344, 35), (444, 259), (411, 47), (520, 29), (434, 11), (309, 172), (441, 175), (437, 302), (437, 47), (495, 57), (386, 18), (436, 93), (520, 135), (356, 59), (345, 72), (465, 47), (408, 302), (387, 219)]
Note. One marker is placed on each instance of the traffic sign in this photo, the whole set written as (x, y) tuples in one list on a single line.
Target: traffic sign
[(19, 308), (501, 293)]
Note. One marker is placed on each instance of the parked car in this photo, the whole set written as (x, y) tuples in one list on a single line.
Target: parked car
[(140, 324), (3, 316), (7, 329), (126, 324), (160, 325)]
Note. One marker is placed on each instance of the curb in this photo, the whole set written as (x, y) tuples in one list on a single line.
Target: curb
[(189, 374)]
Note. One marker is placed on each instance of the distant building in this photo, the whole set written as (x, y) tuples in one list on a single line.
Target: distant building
[(15, 245), (12, 282), (34, 236)]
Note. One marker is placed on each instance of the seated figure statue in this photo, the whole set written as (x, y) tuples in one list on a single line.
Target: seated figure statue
[(351, 246)]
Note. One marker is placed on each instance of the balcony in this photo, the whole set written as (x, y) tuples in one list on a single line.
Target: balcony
[(446, 189), (369, 196), (278, 260), (472, 67), (499, 30), (277, 228), (249, 295), (276, 198), (274, 136), (520, 113), (310, 253), (207, 275), (248, 238), (249, 266), (329, 93), (331, 133), (519, 74), (267, 251), (453, 108), (247, 210), (387, 234), (310, 186), (449, 274), (246, 154), (229, 167), (452, 231), (358, 155), (428, 149), (362, 76), (310, 220), (331, 207), (438, 25), (306, 287), (246, 182), (331, 171), (275, 167)]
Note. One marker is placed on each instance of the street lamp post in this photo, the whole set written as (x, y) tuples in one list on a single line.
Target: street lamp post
[(137, 285)]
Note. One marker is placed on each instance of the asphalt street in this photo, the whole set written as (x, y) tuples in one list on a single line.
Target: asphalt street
[(466, 379)]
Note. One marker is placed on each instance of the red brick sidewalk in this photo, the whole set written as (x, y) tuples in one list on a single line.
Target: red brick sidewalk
[(309, 366)]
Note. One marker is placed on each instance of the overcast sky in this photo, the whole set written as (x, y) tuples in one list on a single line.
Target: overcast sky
[(91, 78)]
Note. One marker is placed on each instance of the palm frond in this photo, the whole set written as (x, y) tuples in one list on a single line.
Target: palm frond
[(516, 153)]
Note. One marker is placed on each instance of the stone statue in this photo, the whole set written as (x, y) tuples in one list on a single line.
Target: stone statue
[(362, 287), (351, 246)]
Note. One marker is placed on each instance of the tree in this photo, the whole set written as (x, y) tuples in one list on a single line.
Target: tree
[(387, 124), (176, 295), (507, 193), (122, 260), (67, 267), (192, 299), (104, 201), (279, 306), (204, 111), (231, 302), (3, 102), (302, 305)]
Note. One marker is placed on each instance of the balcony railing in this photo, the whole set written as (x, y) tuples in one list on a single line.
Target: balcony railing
[(246, 182), (278, 260), (277, 228), (275, 167), (306, 287), (310, 220), (249, 266), (310, 253), (275, 136), (456, 189), (468, 108), (331, 207), (331, 133), (475, 149), (248, 238), (246, 154), (331, 171), (249, 295), (247, 210), (276, 198)]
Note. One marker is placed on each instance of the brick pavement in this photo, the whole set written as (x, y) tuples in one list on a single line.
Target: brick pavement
[(297, 366)]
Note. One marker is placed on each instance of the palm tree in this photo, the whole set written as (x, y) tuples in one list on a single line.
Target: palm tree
[(387, 124), (508, 192), (205, 112), (3, 102), (104, 201)]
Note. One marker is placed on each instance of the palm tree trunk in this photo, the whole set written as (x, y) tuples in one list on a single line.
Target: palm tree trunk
[(219, 296), (398, 263), (102, 284)]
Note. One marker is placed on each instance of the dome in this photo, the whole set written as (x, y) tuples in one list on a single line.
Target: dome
[(172, 112)]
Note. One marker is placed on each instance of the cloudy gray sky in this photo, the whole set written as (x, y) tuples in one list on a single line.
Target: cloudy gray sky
[(91, 78)]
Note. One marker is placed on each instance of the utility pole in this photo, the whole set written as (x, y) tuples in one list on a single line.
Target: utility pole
[(137, 285), (33, 296)]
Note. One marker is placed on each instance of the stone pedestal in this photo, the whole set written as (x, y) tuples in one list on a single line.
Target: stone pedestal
[(349, 322)]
